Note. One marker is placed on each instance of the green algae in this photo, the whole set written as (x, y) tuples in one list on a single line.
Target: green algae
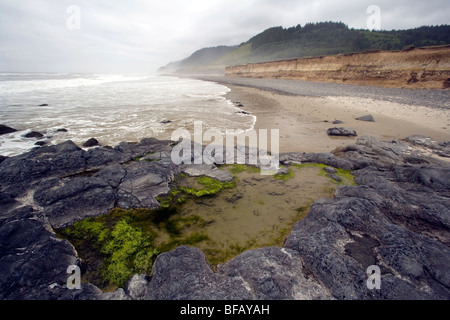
[(285, 176), (208, 187), (223, 219)]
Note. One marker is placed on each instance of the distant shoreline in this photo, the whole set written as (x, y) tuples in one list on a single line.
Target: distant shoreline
[(435, 98)]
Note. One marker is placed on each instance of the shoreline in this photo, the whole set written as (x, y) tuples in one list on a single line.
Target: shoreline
[(304, 120)]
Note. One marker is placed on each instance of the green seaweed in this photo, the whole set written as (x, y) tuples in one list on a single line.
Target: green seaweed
[(238, 168), (286, 176), (126, 249), (124, 242), (210, 187), (129, 251), (345, 175)]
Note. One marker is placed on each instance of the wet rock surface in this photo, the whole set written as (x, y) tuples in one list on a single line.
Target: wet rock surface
[(342, 132), (92, 142), (5, 129), (397, 218)]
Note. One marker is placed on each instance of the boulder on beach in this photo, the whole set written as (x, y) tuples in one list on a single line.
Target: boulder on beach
[(5, 129), (343, 132), (62, 130), (34, 134), (165, 121), (92, 142), (43, 105), (338, 122), (367, 118)]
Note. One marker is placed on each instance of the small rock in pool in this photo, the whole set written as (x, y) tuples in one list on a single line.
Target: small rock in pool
[(62, 130), (330, 170), (43, 105), (165, 121), (335, 177)]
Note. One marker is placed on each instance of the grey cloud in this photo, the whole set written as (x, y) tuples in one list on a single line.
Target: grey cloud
[(136, 36)]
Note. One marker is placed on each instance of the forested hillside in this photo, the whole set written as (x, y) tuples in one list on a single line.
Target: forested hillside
[(313, 39)]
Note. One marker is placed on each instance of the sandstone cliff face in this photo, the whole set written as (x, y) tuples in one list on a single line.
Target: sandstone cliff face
[(427, 67)]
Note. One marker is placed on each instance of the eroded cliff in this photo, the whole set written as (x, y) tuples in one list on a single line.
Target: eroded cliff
[(426, 67)]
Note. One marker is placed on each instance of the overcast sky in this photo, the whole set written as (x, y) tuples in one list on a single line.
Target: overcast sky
[(142, 35)]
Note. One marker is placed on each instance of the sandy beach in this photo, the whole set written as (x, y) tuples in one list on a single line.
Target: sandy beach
[(303, 120)]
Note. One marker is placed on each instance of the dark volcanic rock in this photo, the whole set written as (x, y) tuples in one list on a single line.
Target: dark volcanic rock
[(92, 142), (335, 177), (34, 134), (5, 129), (379, 224), (330, 170), (70, 200), (31, 257), (344, 132), (20, 173), (368, 151), (112, 174), (208, 170), (328, 159), (338, 122), (184, 274), (325, 158), (142, 183), (275, 274), (442, 149), (397, 218)]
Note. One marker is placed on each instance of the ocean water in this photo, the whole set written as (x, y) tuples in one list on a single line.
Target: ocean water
[(111, 108)]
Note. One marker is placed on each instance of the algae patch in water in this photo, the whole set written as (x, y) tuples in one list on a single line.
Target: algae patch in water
[(221, 218)]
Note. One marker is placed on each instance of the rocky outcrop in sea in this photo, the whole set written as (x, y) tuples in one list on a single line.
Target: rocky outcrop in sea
[(397, 218)]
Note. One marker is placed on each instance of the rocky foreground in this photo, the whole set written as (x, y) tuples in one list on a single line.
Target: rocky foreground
[(397, 217)]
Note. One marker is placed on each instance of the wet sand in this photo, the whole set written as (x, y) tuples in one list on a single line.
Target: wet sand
[(303, 120)]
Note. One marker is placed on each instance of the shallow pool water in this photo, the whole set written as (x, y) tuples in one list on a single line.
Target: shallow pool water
[(252, 212)]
